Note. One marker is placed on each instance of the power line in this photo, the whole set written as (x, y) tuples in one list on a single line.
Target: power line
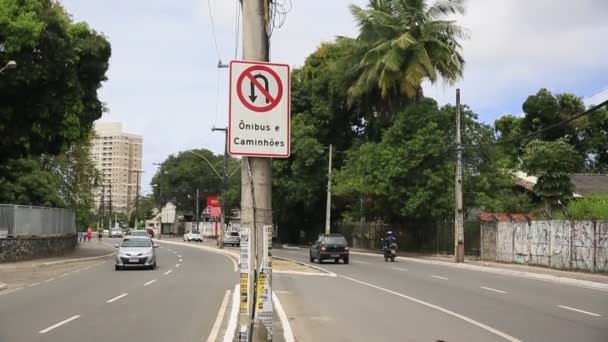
[(213, 29), (531, 134)]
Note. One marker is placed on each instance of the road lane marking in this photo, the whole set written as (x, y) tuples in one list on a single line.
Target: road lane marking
[(49, 280), (65, 275), (433, 306), (491, 289), (34, 284), (439, 277), (287, 333), (59, 324), (169, 271), (400, 269), (180, 260), (283, 292), (220, 316), (581, 311), (234, 314), (360, 262), (150, 282), (177, 265), (179, 256), (117, 298), (5, 292)]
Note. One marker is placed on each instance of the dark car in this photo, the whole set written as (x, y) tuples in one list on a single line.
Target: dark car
[(330, 247)]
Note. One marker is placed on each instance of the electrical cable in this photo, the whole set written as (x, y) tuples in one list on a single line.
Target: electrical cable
[(213, 30)]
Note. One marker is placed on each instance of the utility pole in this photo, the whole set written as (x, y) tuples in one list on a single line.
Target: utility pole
[(459, 219), (256, 179), (138, 172), (225, 179), (197, 213), (328, 208), (160, 200)]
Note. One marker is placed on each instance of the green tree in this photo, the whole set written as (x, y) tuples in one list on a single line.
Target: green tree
[(184, 172), (24, 181), (552, 162), (594, 207), (402, 43), (50, 101)]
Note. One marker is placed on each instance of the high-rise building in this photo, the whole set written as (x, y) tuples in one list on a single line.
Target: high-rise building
[(117, 156)]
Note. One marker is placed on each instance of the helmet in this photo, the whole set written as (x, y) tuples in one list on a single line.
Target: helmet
[(390, 232)]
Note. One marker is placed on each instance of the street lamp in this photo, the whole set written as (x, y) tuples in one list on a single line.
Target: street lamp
[(10, 65)]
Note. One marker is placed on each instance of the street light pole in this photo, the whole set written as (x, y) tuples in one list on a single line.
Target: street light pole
[(328, 208), (160, 200), (225, 180), (459, 219), (197, 213)]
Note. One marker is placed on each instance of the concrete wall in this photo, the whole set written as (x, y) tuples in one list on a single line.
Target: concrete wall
[(24, 248), (572, 245)]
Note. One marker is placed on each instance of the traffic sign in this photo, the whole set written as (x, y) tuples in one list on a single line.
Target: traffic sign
[(259, 109)]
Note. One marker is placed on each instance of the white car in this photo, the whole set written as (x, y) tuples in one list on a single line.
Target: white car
[(193, 235), (115, 233)]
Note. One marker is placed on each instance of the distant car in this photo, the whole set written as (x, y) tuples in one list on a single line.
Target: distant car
[(232, 238), (139, 233), (330, 247), (135, 251), (116, 233), (193, 235)]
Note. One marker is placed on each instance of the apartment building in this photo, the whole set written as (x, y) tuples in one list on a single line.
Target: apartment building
[(118, 156)]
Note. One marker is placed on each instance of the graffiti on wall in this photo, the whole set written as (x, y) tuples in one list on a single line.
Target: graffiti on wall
[(560, 244), (577, 245), (601, 247), (582, 245)]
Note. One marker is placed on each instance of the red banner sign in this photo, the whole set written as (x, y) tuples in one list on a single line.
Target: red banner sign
[(213, 202)]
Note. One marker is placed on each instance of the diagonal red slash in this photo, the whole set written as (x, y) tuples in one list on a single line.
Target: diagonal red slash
[(259, 86)]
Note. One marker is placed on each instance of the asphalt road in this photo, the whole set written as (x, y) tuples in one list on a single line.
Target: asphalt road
[(179, 301), (371, 300)]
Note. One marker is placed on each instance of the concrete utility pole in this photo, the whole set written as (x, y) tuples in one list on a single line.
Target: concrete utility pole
[(220, 239), (256, 172), (459, 219), (328, 208), (160, 200)]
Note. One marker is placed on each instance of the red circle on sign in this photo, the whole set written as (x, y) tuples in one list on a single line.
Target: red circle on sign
[(248, 73)]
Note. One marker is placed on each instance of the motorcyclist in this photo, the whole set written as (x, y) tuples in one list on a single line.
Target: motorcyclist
[(389, 239)]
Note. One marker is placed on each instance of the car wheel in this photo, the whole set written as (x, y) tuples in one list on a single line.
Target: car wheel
[(320, 260), (312, 259), (346, 261), (393, 259), (116, 268), (337, 261)]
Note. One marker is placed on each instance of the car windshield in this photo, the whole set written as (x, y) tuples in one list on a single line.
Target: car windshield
[(195, 232), (136, 243), (140, 232), (335, 240)]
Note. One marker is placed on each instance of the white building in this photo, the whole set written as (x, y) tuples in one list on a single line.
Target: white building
[(118, 156)]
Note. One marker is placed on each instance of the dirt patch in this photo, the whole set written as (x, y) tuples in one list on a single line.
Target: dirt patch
[(284, 265)]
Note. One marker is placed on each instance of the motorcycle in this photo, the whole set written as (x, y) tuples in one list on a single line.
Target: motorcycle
[(390, 252)]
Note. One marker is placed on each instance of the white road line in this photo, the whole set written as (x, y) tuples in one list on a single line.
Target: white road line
[(220, 316), (180, 260), (287, 333), (491, 289), (150, 282), (234, 314), (433, 306), (86, 268), (581, 311), (439, 277), (169, 271), (179, 256), (59, 324), (5, 292), (34, 284), (400, 269), (360, 262), (177, 265), (65, 275), (117, 298), (49, 280)]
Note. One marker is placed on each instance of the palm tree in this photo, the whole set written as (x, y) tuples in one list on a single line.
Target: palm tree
[(402, 43)]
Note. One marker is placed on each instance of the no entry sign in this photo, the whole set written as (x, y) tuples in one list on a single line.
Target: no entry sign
[(259, 109)]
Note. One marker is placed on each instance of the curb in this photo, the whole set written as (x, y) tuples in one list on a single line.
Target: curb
[(69, 261), (520, 274), (324, 271)]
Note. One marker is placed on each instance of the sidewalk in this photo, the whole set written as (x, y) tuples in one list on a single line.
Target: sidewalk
[(16, 274)]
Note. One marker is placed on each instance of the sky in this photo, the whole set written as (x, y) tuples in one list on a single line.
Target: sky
[(164, 84)]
